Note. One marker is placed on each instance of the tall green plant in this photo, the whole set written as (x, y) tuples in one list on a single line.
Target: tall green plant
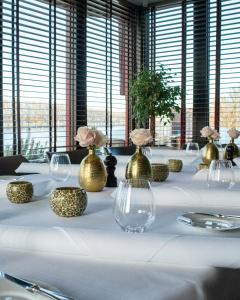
[(154, 96)]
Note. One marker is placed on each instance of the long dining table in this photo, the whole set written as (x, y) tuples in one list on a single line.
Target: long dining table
[(90, 257)]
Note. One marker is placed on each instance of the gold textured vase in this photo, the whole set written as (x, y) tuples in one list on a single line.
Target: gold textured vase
[(236, 152), (139, 166), (210, 152), (92, 174)]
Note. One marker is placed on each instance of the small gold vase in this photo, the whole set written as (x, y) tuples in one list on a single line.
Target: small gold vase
[(92, 174), (210, 152), (236, 152), (139, 166)]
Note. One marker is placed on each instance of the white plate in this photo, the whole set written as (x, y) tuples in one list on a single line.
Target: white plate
[(210, 221), (12, 291)]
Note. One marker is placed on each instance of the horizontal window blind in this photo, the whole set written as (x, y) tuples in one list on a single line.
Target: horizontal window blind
[(165, 47), (36, 67), (112, 53), (199, 40), (65, 64), (228, 39)]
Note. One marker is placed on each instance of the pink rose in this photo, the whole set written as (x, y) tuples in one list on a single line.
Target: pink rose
[(233, 133), (100, 139), (206, 132), (215, 135), (85, 136), (141, 136)]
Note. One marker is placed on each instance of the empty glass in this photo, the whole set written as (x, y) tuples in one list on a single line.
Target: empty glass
[(220, 174), (147, 151), (220, 149), (134, 207), (60, 167), (192, 148)]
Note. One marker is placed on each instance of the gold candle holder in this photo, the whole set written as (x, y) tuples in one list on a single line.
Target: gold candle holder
[(202, 166), (175, 165), (160, 172), (68, 201), (19, 191)]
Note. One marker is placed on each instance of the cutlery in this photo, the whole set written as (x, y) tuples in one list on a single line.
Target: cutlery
[(35, 288), (215, 215)]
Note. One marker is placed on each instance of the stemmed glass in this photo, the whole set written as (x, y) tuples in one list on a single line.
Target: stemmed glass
[(147, 151), (60, 167), (220, 174), (192, 148), (134, 207)]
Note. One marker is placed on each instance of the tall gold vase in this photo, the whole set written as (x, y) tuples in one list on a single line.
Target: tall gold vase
[(92, 174), (236, 152), (210, 152), (139, 166)]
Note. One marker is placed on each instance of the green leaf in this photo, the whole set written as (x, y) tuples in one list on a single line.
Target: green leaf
[(153, 96)]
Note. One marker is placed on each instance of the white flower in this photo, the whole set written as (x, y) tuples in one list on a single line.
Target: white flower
[(87, 136), (206, 132), (141, 136), (215, 135), (233, 133)]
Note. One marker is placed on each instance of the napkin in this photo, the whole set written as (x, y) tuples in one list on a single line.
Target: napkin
[(43, 168)]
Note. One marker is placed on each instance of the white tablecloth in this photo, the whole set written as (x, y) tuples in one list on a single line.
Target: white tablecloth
[(168, 254)]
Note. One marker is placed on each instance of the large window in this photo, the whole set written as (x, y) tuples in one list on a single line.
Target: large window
[(35, 48), (112, 52), (65, 64), (199, 41)]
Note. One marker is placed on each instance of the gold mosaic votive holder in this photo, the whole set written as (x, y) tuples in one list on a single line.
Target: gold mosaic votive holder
[(68, 201), (19, 191), (160, 172), (175, 165), (202, 166)]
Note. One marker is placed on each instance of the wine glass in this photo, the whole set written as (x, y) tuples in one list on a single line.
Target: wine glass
[(220, 174), (220, 148), (60, 167), (147, 151), (192, 148), (134, 207)]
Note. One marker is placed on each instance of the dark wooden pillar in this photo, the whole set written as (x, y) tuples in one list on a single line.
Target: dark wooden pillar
[(200, 69), (1, 81), (81, 65)]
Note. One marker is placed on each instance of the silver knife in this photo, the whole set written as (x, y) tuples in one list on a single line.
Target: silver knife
[(35, 288)]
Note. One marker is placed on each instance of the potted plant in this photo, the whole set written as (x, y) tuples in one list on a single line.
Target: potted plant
[(153, 96)]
